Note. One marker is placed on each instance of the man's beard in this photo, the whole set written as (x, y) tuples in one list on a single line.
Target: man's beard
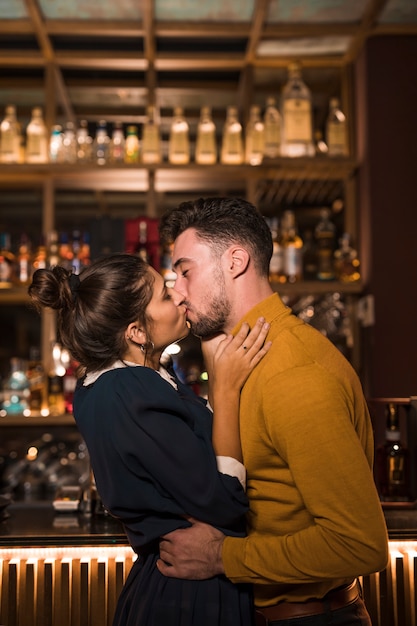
[(213, 321)]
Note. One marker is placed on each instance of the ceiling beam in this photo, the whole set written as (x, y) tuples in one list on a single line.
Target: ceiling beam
[(372, 11), (49, 56)]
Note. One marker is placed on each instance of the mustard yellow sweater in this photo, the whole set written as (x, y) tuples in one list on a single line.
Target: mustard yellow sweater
[(315, 519)]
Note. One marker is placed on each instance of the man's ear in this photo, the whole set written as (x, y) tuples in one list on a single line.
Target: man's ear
[(237, 259)]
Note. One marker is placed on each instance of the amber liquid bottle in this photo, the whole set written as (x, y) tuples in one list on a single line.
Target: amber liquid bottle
[(392, 461)]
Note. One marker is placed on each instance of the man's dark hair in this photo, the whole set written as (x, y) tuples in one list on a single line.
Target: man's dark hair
[(221, 222)]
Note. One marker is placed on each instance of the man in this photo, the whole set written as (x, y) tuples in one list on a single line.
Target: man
[(315, 521)]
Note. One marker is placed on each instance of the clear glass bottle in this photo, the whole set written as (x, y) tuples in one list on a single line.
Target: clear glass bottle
[(309, 256), (254, 137), (272, 124), (320, 145), (276, 264), (7, 261), (16, 394), (346, 262), (118, 144), (292, 248), (10, 137), (37, 139), (24, 261), (69, 143), (392, 460), (52, 247), (151, 138), (336, 130), (84, 143), (101, 144), (297, 130), (232, 142), (56, 145), (141, 248), (179, 139), (40, 256), (132, 144), (325, 236), (206, 145)]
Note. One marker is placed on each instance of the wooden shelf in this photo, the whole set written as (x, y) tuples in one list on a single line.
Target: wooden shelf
[(36, 419)]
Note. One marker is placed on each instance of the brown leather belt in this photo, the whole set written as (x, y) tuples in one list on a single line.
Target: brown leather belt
[(333, 600)]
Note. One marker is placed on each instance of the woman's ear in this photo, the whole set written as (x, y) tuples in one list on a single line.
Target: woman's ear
[(136, 334)]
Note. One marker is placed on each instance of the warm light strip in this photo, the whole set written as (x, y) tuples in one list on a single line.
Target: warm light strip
[(68, 553)]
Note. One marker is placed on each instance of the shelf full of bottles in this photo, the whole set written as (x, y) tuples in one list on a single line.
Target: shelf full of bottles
[(275, 158)]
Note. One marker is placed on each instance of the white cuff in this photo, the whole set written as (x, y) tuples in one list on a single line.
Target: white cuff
[(232, 467)]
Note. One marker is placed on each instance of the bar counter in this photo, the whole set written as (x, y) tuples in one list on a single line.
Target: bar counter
[(69, 568), (37, 524)]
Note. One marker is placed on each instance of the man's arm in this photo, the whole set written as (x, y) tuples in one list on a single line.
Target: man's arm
[(193, 553)]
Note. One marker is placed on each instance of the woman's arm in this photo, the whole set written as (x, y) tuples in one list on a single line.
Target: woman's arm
[(229, 361)]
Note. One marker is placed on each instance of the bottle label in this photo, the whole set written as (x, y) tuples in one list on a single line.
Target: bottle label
[(297, 121), (292, 262), (336, 139), (396, 471)]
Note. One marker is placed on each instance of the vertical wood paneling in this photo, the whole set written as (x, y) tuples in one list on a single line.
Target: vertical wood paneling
[(82, 591)]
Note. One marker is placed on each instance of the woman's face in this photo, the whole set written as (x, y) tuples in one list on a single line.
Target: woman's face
[(167, 314)]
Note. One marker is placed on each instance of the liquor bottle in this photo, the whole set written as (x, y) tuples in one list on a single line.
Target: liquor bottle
[(254, 137), (101, 144), (276, 264), (37, 381), (336, 130), (325, 236), (272, 124), (206, 147), (16, 391), (65, 252), (292, 248), (69, 380), (52, 249), (141, 248), (7, 262), (56, 400), (69, 143), (76, 251), (297, 135), (346, 262), (56, 145), (85, 252), (37, 140), (40, 256), (151, 138), (55, 383), (84, 143), (132, 145), (232, 141), (165, 265), (118, 145), (392, 460), (24, 261), (320, 146), (10, 137), (179, 139), (309, 256)]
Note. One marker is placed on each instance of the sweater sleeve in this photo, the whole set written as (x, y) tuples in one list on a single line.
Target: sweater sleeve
[(311, 423)]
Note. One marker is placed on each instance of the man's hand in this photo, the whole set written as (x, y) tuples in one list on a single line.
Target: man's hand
[(193, 553)]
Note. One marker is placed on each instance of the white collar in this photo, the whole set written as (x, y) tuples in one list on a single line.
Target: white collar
[(91, 377)]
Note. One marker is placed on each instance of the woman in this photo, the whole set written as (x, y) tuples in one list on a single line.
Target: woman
[(157, 453)]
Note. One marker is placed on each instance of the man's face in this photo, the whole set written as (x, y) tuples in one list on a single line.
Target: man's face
[(200, 280)]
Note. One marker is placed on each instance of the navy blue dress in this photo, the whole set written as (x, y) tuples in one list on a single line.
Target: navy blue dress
[(151, 453)]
